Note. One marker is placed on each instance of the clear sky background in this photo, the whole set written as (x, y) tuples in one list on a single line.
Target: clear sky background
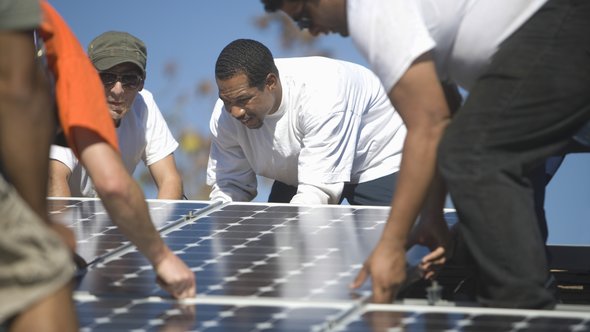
[(184, 37)]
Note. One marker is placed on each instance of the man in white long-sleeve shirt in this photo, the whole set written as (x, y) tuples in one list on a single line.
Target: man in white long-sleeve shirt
[(323, 129)]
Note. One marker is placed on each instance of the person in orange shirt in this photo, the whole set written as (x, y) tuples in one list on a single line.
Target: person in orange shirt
[(35, 263)]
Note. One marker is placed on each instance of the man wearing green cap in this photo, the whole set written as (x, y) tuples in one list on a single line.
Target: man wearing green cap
[(120, 59)]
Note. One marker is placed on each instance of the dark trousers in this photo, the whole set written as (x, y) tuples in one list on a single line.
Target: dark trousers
[(376, 192), (526, 107)]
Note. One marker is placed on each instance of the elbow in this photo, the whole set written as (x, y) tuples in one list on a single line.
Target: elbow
[(432, 128), (112, 188), (437, 118), (439, 125)]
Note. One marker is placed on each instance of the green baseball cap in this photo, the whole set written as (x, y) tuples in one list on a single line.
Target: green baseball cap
[(114, 47)]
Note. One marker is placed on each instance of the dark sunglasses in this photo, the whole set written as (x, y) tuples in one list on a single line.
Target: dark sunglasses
[(127, 80)]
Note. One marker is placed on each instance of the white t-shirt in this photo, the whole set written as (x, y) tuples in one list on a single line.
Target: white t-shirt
[(143, 135), (335, 124), (462, 34)]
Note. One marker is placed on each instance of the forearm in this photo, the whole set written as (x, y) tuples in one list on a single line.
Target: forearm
[(126, 205), (433, 208), (58, 188), (120, 194), (129, 212), (58, 180), (167, 178), (432, 229), (229, 172), (431, 214), (415, 179), (170, 188)]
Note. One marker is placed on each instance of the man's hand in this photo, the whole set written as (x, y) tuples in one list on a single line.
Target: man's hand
[(387, 267), (431, 231), (175, 277), (433, 262)]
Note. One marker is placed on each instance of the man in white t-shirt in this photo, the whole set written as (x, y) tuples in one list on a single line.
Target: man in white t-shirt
[(525, 65), (323, 129), (141, 129)]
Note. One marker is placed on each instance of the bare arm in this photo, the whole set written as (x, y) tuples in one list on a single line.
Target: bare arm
[(419, 99), (167, 178), (432, 230), (126, 205), (59, 175), (26, 122)]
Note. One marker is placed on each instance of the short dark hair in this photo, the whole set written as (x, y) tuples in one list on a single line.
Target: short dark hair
[(274, 5), (246, 56)]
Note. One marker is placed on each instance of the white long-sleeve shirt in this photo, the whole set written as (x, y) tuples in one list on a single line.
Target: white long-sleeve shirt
[(335, 125)]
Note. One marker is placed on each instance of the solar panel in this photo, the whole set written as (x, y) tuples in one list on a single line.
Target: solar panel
[(258, 250), (261, 267), (96, 234)]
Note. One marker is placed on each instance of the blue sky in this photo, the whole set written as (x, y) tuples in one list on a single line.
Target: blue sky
[(191, 34)]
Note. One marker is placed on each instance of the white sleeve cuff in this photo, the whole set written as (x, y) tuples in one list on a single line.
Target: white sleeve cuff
[(310, 194), (218, 195)]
